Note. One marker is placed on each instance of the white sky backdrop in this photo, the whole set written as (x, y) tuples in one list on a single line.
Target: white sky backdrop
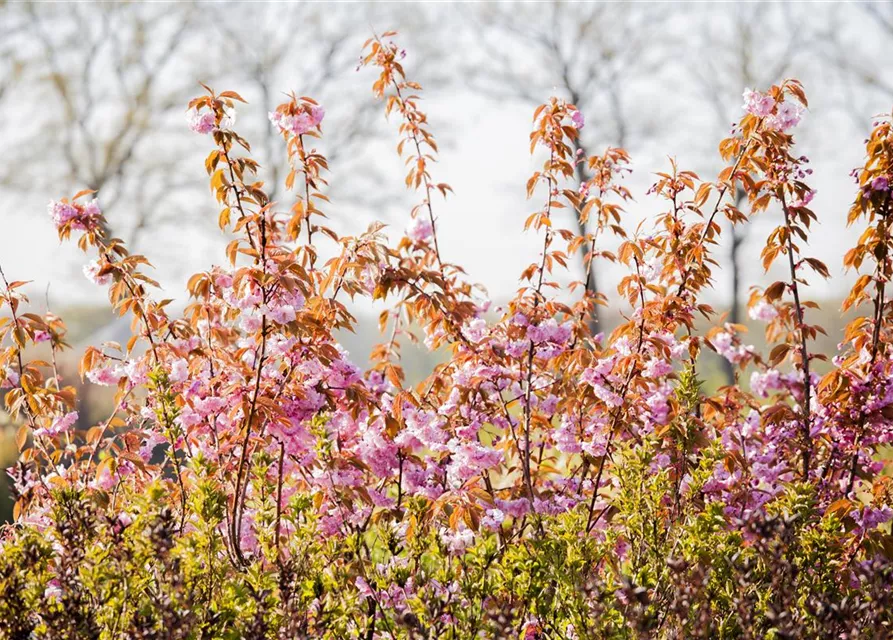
[(485, 156)]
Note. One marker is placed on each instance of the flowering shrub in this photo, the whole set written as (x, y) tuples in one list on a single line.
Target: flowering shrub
[(543, 482)]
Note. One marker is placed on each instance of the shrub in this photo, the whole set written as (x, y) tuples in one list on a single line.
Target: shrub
[(542, 482)]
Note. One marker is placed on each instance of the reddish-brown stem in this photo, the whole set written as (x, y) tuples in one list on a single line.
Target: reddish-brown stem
[(279, 482), (881, 276), (615, 418), (244, 462), (684, 280), (420, 158), (806, 452), (307, 205), (15, 323), (531, 350)]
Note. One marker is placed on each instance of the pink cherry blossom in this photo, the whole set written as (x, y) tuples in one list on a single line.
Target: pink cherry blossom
[(758, 104), (805, 200), (725, 346), (420, 229), (476, 330), (105, 376), (363, 587), (300, 123), (869, 518), (657, 368), (53, 590), (91, 271), (62, 212), (282, 314), (317, 113), (457, 541), (602, 390), (8, 378), (59, 425), (179, 371), (76, 216), (762, 383), (136, 371), (763, 311), (493, 519), (203, 122), (105, 480), (787, 116)]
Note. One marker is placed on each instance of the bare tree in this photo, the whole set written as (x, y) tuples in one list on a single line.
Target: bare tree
[(859, 55), (97, 80), (593, 54), (101, 91), (311, 49), (744, 46), (11, 62)]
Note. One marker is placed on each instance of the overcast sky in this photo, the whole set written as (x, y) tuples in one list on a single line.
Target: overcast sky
[(485, 154)]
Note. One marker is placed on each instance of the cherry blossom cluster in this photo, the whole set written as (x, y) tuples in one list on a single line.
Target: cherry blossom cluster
[(532, 421), (205, 121), (781, 116), (73, 215), (298, 121)]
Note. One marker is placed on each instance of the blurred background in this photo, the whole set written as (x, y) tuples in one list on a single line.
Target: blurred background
[(93, 95)]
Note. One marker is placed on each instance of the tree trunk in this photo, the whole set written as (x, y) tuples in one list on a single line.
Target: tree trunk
[(591, 285), (738, 237)]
